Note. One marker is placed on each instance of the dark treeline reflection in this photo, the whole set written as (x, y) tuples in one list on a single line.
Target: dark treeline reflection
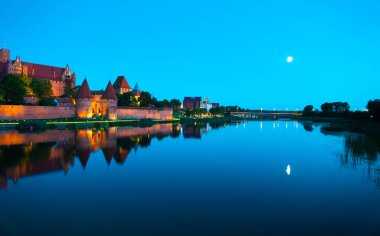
[(359, 150), (362, 150), (27, 154)]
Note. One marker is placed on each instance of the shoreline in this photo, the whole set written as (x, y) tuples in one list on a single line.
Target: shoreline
[(343, 125), (42, 124), (331, 124)]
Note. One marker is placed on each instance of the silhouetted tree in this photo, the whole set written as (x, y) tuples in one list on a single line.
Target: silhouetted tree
[(175, 103), (373, 107), (327, 107), (308, 110), (335, 108)]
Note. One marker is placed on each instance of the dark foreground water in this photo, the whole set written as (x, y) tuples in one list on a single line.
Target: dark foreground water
[(256, 178)]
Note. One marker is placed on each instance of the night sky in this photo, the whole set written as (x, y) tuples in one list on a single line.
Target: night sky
[(233, 52)]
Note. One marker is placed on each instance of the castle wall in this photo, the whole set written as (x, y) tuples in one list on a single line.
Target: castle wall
[(109, 109), (144, 113), (84, 108), (16, 112)]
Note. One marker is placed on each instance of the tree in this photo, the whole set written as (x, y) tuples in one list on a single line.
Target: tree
[(69, 90), (47, 102), (27, 81), (163, 104), (41, 88), (145, 99), (373, 107), (175, 103), (218, 110), (14, 89), (127, 100), (327, 107), (335, 108), (308, 110), (2, 94)]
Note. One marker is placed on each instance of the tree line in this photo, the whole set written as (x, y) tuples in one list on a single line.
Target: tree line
[(14, 88), (342, 110), (146, 100)]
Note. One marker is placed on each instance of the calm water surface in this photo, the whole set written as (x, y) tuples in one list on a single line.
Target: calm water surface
[(255, 178)]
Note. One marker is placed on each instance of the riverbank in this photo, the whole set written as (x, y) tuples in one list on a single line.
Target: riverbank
[(342, 125), (74, 123)]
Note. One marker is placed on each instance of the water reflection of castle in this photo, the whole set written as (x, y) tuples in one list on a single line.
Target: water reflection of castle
[(28, 154)]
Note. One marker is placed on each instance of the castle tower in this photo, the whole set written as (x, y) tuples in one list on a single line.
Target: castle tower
[(109, 100), (4, 54), (84, 101)]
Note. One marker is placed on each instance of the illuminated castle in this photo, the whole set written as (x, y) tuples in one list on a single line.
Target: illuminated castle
[(85, 104), (58, 76), (99, 104)]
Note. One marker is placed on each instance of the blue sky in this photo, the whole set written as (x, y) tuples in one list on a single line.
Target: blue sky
[(233, 52)]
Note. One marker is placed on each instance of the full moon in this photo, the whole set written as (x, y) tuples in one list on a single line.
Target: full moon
[(289, 59)]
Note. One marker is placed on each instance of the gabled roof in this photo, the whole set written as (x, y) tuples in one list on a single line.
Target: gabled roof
[(121, 82), (110, 92), (84, 90)]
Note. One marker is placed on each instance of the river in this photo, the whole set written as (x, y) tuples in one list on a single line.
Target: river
[(247, 178)]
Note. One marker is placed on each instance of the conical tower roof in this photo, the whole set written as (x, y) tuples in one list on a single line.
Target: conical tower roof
[(83, 155), (109, 93), (136, 88), (84, 90), (108, 153)]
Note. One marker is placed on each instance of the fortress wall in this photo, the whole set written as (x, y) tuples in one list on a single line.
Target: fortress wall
[(164, 129), (16, 112), (144, 113), (14, 137)]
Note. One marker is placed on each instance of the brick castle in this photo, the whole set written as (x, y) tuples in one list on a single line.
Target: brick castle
[(86, 104)]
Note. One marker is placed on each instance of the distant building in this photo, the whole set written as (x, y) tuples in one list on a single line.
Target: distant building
[(121, 85), (196, 102), (58, 76), (206, 105), (192, 102), (215, 104)]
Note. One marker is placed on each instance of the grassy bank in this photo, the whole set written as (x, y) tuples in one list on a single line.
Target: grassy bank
[(74, 123)]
